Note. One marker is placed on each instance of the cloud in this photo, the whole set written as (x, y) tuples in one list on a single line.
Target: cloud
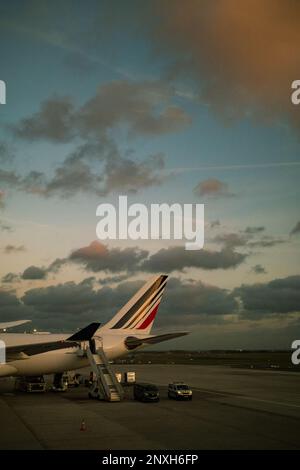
[(52, 122), (231, 240), (10, 278), (6, 153), (212, 188), (243, 166), (70, 305), (242, 60), (69, 179), (7, 298), (266, 242), (63, 299), (254, 230), (34, 272), (9, 249), (215, 223), (177, 259), (203, 300), (258, 269), (79, 62), (96, 166), (9, 177), (98, 257), (247, 238), (277, 296), (296, 229), (2, 199), (144, 107), (12, 308), (93, 168), (113, 279), (34, 183), (75, 176), (130, 176), (5, 227), (56, 265), (72, 176)]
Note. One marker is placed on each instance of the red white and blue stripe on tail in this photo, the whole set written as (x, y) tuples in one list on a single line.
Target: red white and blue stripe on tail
[(139, 313)]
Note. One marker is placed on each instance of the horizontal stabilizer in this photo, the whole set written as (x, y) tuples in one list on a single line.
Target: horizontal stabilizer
[(133, 342)]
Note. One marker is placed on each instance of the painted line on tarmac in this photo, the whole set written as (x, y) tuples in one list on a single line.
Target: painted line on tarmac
[(244, 397)]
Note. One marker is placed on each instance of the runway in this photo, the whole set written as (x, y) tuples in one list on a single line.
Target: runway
[(231, 409)]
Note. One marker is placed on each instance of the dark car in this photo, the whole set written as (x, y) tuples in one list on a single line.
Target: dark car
[(146, 392)]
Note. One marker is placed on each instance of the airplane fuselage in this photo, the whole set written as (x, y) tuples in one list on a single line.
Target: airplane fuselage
[(129, 329), (59, 360)]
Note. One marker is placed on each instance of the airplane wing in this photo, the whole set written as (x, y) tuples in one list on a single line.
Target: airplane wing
[(11, 324), (23, 351), (133, 342)]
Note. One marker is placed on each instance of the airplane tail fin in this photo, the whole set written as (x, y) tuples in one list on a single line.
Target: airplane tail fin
[(139, 312)]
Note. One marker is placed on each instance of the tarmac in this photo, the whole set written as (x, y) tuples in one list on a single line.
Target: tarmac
[(231, 409)]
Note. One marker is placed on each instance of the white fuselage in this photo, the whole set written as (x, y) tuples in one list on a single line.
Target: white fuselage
[(59, 360)]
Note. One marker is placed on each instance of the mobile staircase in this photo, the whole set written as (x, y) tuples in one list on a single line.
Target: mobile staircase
[(106, 386)]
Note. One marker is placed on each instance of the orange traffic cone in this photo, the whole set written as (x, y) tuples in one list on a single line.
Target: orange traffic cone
[(83, 426)]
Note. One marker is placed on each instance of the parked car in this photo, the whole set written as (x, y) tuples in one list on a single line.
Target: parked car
[(179, 390), (146, 392)]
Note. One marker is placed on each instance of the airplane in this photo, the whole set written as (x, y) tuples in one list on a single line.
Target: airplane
[(33, 354)]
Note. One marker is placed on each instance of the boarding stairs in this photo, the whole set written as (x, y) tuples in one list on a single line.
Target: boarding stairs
[(106, 386)]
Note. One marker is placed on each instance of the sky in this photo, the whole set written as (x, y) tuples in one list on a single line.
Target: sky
[(165, 102)]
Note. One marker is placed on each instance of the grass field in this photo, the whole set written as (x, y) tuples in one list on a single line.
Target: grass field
[(280, 360)]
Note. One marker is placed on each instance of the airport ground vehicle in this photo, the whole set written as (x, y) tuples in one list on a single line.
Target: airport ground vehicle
[(129, 377), (180, 391), (60, 383), (30, 384), (73, 379), (146, 392)]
